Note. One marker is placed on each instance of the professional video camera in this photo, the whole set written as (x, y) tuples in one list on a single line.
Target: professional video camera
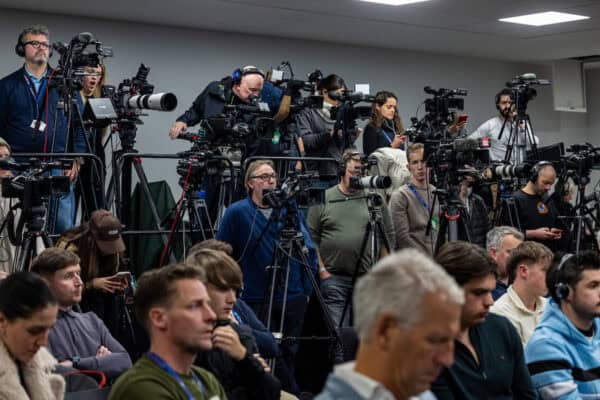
[(448, 159), (505, 171), (30, 185), (305, 189), (439, 114), (294, 87), (522, 90), (348, 113), (73, 59), (195, 165)]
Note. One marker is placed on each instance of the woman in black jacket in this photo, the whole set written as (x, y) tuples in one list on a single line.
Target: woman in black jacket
[(385, 127)]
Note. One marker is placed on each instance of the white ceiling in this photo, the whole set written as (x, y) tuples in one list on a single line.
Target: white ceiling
[(463, 27)]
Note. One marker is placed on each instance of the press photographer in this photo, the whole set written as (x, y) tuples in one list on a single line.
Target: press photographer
[(385, 126), (353, 222), (30, 119)]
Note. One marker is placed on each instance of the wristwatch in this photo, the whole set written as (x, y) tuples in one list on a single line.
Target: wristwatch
[(75, 361)]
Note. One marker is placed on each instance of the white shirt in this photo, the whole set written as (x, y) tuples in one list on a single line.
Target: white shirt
[(366, 387), (524, 320), (492, 128)]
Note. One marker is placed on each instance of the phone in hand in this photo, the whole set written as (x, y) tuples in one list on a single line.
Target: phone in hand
[(123, 275), (462, 118)]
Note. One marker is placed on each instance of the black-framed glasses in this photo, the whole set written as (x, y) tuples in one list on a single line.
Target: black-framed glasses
[(264, 177), (37, 44)]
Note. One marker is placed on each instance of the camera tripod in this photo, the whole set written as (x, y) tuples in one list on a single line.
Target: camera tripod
[(374, 233), (453, 217), (119, 187), (582, 216), (290, 247), (521, 119)]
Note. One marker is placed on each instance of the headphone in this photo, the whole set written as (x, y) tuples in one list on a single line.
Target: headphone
[(503, 92), (20, 47), (345, 160), (535, 170), (239, 73), (561, 291)]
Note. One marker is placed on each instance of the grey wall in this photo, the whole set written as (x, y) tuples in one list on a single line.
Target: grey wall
[(184, 61)]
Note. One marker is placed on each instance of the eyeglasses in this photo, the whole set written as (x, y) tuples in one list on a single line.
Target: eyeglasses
[(264, 177), (36, 45)]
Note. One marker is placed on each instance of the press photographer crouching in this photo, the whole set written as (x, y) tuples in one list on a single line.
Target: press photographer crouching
[(256, 231), (346, 234)]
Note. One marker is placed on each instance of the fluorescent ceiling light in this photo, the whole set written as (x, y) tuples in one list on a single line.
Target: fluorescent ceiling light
[(394, 2), (544, 18)]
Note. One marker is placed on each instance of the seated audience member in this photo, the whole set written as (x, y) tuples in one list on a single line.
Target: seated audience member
[(523, 303), (500, 241), (173, 306), (563, 353), (488, 354), (98, 244), (233, 358), (78, 340), (27, 312), (244, 315), (407, 316)]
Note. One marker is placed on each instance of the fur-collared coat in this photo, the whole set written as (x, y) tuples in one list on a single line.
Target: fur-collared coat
[(41, 382)]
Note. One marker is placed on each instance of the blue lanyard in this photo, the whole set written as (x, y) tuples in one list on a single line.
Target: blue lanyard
[(163, 364), (40, 99), (237, 317), (418, 196), (385, 135)]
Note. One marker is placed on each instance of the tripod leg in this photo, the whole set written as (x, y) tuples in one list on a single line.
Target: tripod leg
[(25, 254)]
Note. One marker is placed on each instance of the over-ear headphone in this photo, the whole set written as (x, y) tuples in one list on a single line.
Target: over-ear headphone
[(20, 47), (535, 170), (345, 159), (239, 73), (561, 290), (503, 92)]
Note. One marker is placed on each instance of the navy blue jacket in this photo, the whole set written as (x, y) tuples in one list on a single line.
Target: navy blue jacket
[(18, 109), (267, 346)]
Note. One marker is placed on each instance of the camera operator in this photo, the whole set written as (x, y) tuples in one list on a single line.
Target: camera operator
[(91, 174), (252, 228), (315, 128), (499, 128), (410, 206), (385, 126), (7, 251), (30, 120), (241, 87), (537, 215), (339, 236)]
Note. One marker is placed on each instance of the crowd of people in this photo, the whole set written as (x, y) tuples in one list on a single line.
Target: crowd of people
[(502, 312)]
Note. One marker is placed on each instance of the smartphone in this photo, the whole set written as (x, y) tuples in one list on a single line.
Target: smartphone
[(462, 118), (123, 275)]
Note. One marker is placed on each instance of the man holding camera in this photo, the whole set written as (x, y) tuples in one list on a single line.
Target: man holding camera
[(30, 119), (338, 227), (411, 206), (500, 128)]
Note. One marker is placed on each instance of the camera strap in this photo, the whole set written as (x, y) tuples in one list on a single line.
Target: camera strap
[(38, 95)]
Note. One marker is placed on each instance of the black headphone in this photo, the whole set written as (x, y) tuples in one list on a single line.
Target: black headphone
[(503, 92), (535, 170), (345, 159), (561, 290), (239, 73), (20, 47)]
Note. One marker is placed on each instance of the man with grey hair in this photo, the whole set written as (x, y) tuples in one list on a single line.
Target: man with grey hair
[(407, 316), (500, 242)]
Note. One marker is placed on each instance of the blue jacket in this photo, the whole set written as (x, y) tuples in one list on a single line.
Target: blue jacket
[(18, 109), (267, 346), (241, 227), (563, 363)]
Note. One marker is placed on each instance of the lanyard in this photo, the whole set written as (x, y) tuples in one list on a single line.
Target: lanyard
[(39, 98), (418, 196), (237, 317), (166, 367), (385, 135)]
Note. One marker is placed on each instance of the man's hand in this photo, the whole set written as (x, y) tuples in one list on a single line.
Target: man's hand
[(66, 363), (73, 172), (542, 234), (262, 362), (398, 141), (226, 339), (102, 351), (177, 128)]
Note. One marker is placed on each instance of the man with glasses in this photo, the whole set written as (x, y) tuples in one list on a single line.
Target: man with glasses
[(253, 229), (30, 120)]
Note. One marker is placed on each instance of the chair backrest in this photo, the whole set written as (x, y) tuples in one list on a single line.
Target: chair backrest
[(95, 394)]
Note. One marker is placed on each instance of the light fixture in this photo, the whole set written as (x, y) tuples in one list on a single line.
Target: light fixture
[(394, 2), (544, 18)]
